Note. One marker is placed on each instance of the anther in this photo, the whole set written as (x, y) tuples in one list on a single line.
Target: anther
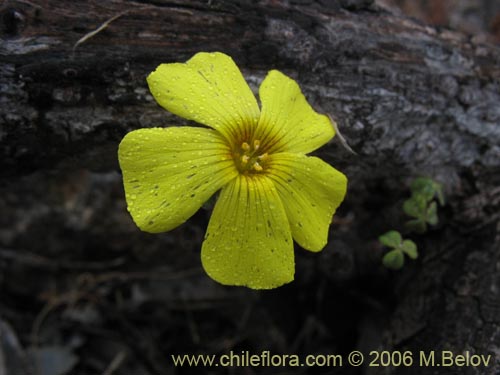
[(257, 167), (245, 146), (256, 144), (244, 159), (263, 156)]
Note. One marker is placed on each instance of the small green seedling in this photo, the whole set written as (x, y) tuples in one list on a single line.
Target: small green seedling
[(395, 259), (421, 206), (429, 188)]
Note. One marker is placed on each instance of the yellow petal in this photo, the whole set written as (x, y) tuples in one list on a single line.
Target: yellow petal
[(208, 89), (311, 190), (288, 123), (248, 240), (168, 173)]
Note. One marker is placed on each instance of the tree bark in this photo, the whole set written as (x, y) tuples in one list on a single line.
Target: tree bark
[(410, 99)]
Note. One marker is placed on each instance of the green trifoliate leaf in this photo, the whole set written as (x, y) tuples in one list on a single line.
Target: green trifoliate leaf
[(439, 193), (432, 217), (410, 248), (394, 259), (428, 188), (415, 206), (410, 208), (424, 187), (391, 239)]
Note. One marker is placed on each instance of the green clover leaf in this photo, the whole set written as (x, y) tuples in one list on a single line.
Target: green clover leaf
[(416, 206), (425, 187), (431, 214), (439, 193), (410, 248), (421, 206), (428, 188), (391, 239), (394, 259)]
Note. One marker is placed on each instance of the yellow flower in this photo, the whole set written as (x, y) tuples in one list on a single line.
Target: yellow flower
[(271, 191)]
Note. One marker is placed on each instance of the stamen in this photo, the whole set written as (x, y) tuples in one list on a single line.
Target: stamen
[(263, 156), (249, 159), (257, 167)]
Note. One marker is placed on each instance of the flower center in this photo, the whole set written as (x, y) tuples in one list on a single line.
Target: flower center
[(249, 158)]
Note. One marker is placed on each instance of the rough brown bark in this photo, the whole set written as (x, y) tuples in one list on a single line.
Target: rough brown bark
[(411, 100)]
